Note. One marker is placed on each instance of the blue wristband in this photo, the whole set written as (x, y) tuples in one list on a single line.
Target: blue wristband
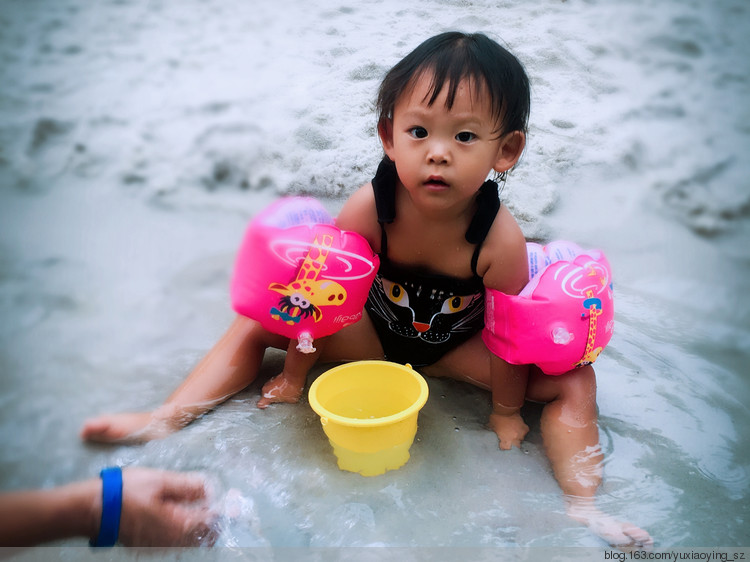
[(111, 507)]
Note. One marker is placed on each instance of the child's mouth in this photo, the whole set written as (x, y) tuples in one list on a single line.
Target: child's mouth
[(436, 183)]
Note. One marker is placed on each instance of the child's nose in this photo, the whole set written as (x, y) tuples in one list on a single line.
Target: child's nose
[(438, 152)]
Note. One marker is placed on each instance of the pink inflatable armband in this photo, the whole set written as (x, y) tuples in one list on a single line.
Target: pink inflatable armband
[(562, 319), (299, 275)]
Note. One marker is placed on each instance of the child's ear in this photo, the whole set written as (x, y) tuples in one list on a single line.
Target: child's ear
[(511, 148), (385, 132)]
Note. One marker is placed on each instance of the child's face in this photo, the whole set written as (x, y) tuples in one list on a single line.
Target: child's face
[(443, 156)]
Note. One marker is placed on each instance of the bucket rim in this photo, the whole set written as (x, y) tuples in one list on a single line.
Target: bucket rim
[(326, 414)]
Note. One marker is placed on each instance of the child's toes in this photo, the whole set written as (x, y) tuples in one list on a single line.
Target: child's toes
[(121, 428), (100, 430)]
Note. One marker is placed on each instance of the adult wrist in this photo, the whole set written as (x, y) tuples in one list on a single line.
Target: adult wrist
[(111, 497)]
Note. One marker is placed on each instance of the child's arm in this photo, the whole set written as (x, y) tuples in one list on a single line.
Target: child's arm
[(503, 264), (289, 384), (359, 215), (508, 394)]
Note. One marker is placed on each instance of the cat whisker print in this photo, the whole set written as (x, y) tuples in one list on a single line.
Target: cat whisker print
[(380, 308), (475, 310), (431, 315)]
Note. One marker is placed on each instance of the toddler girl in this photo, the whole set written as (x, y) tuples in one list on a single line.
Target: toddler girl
[(451, 113)]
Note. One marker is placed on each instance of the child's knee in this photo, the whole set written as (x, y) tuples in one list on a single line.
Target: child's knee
[(578, 389), (582, 379)]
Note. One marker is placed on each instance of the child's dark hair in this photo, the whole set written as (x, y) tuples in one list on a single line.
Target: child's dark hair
[(454, 56)]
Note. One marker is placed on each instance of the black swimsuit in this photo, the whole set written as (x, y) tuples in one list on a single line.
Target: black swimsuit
[(420, 315)]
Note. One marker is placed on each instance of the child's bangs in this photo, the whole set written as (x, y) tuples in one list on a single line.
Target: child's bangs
[(451, 76), (453, 58)]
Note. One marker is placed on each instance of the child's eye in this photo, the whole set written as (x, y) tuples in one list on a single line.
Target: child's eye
[(465, 136), (418, 132)]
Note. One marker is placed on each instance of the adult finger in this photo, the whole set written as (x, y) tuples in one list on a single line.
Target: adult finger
[(183, 487), (197, 524)]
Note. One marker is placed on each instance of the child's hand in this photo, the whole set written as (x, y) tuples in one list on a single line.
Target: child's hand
[(281, 389), (288, 386), (510, 429)]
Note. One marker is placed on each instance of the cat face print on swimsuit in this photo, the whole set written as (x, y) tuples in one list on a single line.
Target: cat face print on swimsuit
[(433, 315)]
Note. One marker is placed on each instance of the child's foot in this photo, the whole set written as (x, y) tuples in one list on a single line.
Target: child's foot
[(280, 389), (137, 427), (618, 534)]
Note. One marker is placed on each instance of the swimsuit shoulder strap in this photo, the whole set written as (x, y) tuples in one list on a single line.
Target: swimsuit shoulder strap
[(384, 187), (488, 204)]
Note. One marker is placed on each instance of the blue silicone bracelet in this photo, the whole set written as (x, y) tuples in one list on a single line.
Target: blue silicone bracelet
[(111, 507)]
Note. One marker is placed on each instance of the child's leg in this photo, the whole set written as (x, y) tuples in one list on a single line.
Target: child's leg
[(569, 431), (569, 428), (569, 417), (226, 369), (357, 342), (571, 438)]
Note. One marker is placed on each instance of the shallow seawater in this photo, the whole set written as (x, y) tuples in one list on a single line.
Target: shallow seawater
[(134, 148)]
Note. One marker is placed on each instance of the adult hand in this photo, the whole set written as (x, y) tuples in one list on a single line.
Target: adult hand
[(159, 508), (163, 508)]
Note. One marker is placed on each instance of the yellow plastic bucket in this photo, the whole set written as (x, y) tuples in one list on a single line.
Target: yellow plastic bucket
[(368, 410)]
